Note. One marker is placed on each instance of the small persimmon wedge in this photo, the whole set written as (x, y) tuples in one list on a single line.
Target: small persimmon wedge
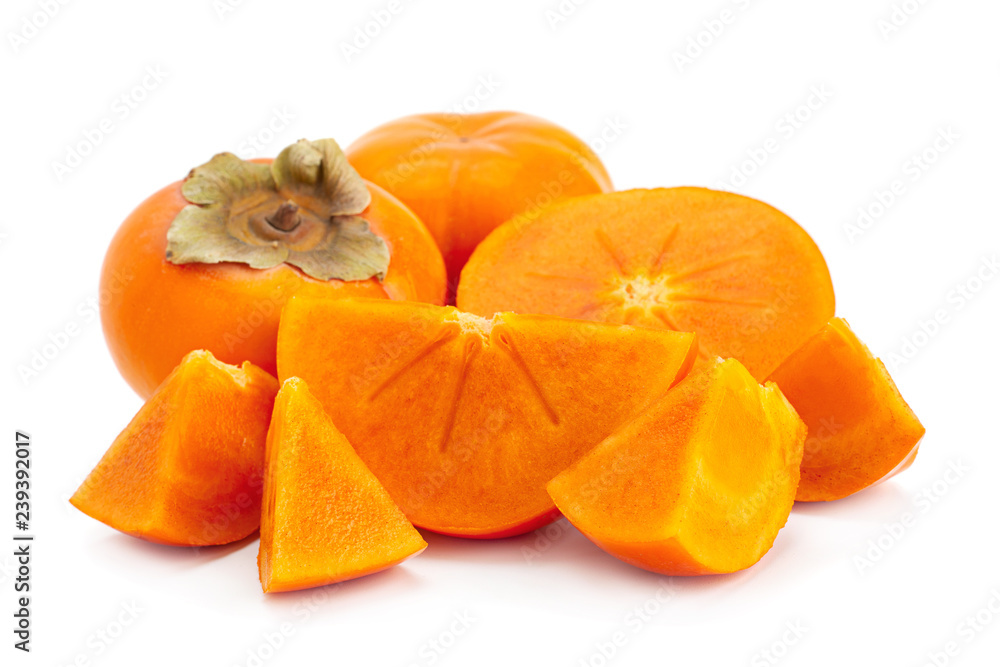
[(861, 431), (742, 275), (187, 470), (326, 518), (465, 419), (700, 483)]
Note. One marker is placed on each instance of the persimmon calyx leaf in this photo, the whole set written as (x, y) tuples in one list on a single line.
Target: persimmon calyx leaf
[(303, 209)]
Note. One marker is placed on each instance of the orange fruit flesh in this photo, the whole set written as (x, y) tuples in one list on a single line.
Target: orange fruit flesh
[(464, 419), (326, 517), (739, 273), (700, 483), (187, 469), (861, 431)]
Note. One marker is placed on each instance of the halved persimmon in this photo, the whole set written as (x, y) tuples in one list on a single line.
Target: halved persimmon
[(325, 516), (465, 174), (861, 431), (700, 483), (465, 419), (741, 274), (208, 262), (188, 469)]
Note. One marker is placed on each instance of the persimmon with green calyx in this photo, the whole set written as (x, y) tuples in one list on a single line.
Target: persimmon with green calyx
[(188, 469), (700, 483), (741, 274), (465, 419), (465, 174), (861, 431), (325, 516), (208, 262)]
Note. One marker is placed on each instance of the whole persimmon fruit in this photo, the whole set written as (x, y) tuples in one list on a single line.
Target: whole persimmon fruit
[(208, 262), (465, 174)]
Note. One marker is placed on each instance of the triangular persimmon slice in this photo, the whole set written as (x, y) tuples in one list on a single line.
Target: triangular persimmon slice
[(861, 431), (464, 419), (187, 469), (325, 518), (701, 483)]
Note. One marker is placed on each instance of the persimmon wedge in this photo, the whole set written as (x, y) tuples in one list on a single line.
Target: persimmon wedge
[(188, 468), (741, 274), (700, 483), (465, 419), (325, 518), (861, 431)]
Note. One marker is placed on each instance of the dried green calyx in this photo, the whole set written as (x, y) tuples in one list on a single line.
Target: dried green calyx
[(303, 209)]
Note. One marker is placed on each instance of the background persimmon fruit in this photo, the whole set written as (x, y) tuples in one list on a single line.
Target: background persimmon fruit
[(465, 174)]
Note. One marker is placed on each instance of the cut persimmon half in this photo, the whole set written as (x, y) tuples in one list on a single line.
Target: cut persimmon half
[(465, 419), (326, 518), (700, 483), (861, 431), (188, 468), (742, 275)]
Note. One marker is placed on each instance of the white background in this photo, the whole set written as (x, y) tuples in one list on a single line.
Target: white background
[(610, 64)]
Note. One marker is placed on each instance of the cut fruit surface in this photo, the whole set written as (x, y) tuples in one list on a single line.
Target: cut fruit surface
[(465, 419), (861, 431), (188, 468), (700, 483), (739, 273), (326, 518)]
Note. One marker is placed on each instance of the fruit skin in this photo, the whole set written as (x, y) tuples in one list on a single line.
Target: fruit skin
[(742, 275), (464, 175), (326, 518), (861, 430), (154, 312), (464, 420), (188, 468), (700, 483)]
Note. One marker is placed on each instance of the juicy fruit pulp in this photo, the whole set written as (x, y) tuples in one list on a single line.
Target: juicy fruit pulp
[(187, 469), (463, 419), (326, 518), (739, 273), (465, 174), (700, 483), (861, 431)]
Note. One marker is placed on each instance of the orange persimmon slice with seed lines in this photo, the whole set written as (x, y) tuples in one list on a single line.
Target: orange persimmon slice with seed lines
[(463, 419), (187, 470), (861, 431), (326, 518), (739, 273), (700, 483)]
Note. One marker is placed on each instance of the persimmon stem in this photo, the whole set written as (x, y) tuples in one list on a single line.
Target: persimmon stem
[(286, 218), (303, 209)]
